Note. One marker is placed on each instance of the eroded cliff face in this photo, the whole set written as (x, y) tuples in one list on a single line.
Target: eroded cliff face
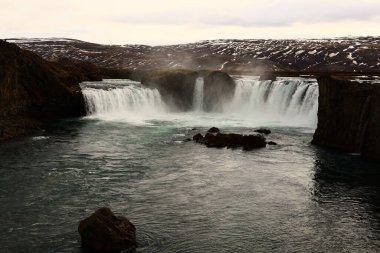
[(219, 87), (175, 86), (32, 90), (349, 116), (32, 87)]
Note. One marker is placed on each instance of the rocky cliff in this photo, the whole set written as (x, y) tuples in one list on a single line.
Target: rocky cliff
[(175, 86), (349, 116), (32, 89), (219, 87)]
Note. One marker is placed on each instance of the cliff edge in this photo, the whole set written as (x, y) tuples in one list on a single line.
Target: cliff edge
[(349, 116), (32, 90)]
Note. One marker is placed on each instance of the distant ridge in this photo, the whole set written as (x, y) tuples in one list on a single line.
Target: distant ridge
[(346, 54)]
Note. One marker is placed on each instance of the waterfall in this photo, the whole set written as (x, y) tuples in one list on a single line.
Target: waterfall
[(284, 102), (198, 94), (287, 101), (122, 100)]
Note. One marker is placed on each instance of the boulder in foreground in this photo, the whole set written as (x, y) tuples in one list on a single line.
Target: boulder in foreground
[(105, 232)]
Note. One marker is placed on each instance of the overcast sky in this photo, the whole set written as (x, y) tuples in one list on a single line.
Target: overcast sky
[(178, 21)]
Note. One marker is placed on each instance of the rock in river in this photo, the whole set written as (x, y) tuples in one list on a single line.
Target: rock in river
[(231, 140), (213, 130), (105, 232), (263, 131)]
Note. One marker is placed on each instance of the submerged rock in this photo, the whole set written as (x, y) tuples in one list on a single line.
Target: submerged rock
[(263, 131), (272, 143), (105, 232)]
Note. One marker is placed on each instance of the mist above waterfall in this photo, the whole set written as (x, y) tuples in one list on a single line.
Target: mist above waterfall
[(284, 102)]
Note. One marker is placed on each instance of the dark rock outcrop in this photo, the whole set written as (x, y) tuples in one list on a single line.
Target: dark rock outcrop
[(263, 131), (32, 87), (349, 116), (175, 86), (198, 137), (231, 140), (213, 130), (105, 232), (218, 88)]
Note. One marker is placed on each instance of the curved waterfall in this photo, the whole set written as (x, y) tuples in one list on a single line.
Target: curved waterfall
[(288, 101), (122, 100)]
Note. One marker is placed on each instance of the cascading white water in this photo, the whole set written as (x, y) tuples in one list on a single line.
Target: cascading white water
[(290, 102), (122, 100), (286, 101), (198, 94)]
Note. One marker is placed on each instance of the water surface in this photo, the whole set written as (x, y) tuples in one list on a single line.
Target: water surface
[(184, 197)]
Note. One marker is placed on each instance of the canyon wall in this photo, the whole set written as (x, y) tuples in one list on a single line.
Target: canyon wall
[(32, 89), (349, 116)]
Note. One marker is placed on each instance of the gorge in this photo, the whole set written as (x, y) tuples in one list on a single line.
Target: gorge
[(95, 137)]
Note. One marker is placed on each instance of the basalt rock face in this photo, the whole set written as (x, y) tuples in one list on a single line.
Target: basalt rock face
[(175, 86), (349, 116), (105, 232), (32, 87), (219, 87)]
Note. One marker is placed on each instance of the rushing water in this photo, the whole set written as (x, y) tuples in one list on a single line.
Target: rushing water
[(198, 95), (183, 197)]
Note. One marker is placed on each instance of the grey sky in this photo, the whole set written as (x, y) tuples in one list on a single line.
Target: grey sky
[(170, 21)]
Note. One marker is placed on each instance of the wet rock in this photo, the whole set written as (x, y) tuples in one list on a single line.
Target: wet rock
[(232, 140), (105, 232), (213, 130), (198, 137), (263, 131), (272, 143), (187, 140)]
